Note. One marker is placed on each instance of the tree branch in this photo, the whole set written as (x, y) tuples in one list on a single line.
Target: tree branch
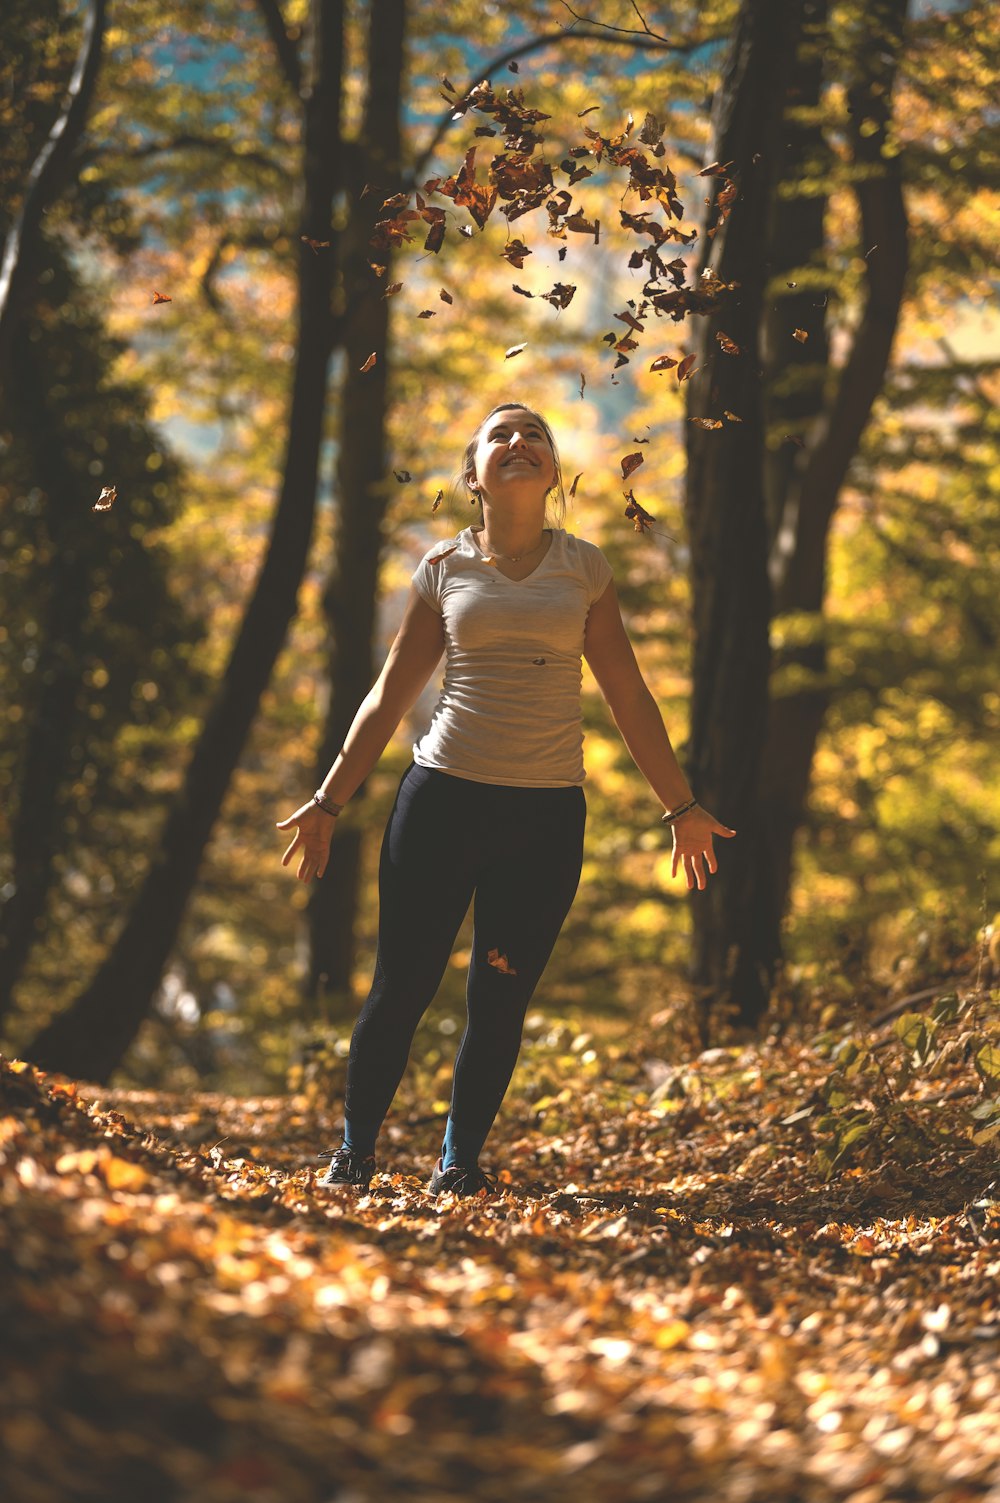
[(288, 52), (44, 180), (649, 43), (623, 30)]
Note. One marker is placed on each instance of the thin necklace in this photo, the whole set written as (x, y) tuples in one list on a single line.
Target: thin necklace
[(511, 558)]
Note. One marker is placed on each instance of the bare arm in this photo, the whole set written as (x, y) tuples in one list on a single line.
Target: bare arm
[(412, 659), (612, 661)]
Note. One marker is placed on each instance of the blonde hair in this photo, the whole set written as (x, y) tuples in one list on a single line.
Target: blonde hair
[(555, 491)]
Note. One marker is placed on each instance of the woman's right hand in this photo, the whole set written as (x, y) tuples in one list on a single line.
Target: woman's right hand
[(313, 833)]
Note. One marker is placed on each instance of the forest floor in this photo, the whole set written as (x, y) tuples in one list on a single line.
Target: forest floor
[(672, 1294)]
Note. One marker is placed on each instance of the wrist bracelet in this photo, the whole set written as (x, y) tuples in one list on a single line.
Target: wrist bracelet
[(327, 804), (668, 819)]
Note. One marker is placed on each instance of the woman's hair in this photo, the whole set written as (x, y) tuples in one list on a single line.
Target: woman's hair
[(556, 492)]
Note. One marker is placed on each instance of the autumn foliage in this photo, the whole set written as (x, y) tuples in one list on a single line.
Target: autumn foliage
[(675, 1291)]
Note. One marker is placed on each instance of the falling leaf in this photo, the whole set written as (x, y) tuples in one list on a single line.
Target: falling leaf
[(576, 482), (435, 235), (515, 349), (727, 345), (663, 363), (315, 245), (514, 67), (522, 290), (515, 253), (731, 416), (794, 440), (560, 296), (403, 476), (715, 169), (106, 499), (629, 463), (440, 556), (445, 296), (581, 225), (368, 363), (637, 515), (427, 313), (500, 963), (583, 383), (437, 501), (800, 335), (684, 370), (161, 297), (791, 284), (869, 251), (703, 422), (391, 290)]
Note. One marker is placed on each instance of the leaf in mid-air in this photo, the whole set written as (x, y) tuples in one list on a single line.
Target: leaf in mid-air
[(106, 499), (161, 297), (631, 462), (368, 363), (638, 515)]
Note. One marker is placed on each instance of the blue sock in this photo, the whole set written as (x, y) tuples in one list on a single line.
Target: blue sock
[(462, 1148), (360, 1137)]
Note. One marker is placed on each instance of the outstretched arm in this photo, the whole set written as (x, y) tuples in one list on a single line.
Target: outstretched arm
[(612, 661), (412, 659)]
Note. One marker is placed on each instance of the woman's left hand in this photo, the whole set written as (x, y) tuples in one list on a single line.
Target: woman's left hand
[(693, 845)]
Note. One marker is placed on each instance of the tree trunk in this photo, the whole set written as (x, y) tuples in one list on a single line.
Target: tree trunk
[(36, 827), (350, 595), (725, 509), (809, 499), (45, 180), (91, 1036)]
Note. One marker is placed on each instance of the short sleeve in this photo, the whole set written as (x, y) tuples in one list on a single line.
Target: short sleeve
[(427, 578), (598, 572)]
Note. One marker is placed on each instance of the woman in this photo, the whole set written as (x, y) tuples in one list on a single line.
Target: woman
[(492, 805)]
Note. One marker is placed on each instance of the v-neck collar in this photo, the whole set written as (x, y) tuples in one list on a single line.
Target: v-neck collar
[(476, 551)]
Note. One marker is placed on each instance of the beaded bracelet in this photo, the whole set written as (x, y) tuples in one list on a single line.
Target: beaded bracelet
[(327, 805), (668, 819)]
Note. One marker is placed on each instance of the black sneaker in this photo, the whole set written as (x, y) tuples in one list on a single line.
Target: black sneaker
[(346, 1168), (460, 1180)]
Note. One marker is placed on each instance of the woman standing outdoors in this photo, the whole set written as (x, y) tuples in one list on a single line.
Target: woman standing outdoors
[(492, 806)]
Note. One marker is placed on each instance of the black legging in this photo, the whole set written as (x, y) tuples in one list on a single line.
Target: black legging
[(519, 850)]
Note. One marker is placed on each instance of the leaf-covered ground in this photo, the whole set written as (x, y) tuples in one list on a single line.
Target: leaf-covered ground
[(665, 1300)]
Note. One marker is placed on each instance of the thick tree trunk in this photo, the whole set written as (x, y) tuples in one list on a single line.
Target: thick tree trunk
[(36, 827), (796, 375), (91, 1036), (726, 520), (809, 499), (350, 595)]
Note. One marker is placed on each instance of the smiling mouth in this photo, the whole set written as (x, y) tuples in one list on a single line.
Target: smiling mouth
[(519, 460)]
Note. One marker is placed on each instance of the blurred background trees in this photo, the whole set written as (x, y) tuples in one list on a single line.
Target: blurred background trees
[(168, 698)]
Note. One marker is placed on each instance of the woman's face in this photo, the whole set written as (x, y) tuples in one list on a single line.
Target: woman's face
[(513, 455)]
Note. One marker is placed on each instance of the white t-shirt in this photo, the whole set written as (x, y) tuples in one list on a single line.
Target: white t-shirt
[(509, 711)]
